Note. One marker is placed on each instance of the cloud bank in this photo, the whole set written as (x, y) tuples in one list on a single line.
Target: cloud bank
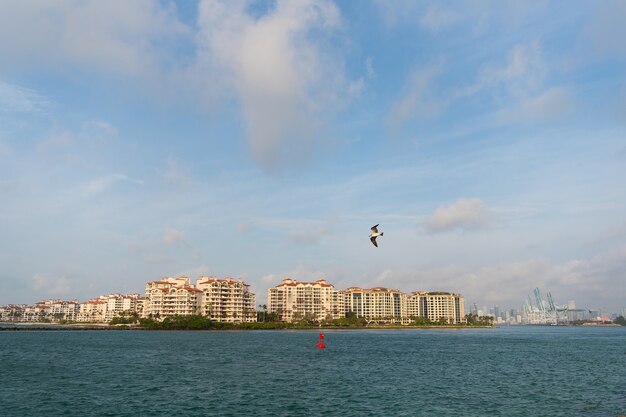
[(282, 68), (461, 215)]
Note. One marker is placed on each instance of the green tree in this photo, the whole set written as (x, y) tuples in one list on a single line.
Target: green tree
[(263, 312)]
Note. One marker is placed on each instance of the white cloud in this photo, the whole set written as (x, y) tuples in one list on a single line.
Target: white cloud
[(286, 80), (174, 237), (177, 174), (272, 279), (101, 184), (52, 285), (284, 68), (369, 68), (14, 98), (106, 127), (593, 283), (63, 139), (356, 87), (300, 273), (244, 227), (309, 236), (436, 19), (463, 214), (194, 272), (523, 71), (604, 35), (396, 11), (384, 276), (552, 104), (121, 37), (156, 259), (417, 99), (584, 279), (90, 134)]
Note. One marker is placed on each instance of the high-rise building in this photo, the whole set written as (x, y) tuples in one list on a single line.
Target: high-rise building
[(61, 309), (170, 297), (437, 306), (120, 303), (93, 311), (293, 300), (226, 300), (378, 304)]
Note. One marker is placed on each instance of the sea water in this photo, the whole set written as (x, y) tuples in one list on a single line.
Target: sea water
[(507, 371)]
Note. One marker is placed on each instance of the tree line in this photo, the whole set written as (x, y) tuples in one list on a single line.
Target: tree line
[(269, 321)]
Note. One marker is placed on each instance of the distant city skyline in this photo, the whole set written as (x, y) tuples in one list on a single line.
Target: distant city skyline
[(262, 140)]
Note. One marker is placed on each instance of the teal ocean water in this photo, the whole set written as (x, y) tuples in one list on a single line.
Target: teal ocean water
[(509, 371)]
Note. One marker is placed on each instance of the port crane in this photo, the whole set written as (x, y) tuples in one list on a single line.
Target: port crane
[(544, 311)]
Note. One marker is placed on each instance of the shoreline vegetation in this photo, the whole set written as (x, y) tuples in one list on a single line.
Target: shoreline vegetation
[(197, 322)]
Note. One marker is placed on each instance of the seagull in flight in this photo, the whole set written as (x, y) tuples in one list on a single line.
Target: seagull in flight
[(375, 234)]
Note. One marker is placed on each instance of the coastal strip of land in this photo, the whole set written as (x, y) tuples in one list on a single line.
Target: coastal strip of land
[(232, 327)]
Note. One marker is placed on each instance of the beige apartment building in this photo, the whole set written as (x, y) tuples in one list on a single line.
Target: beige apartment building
[(170, 297), (226, 300), (116, 304), (222, 300), (107, 307), (22, 313), (294, 300), (92, 311), (60, 309), (377, 304), (437, 305), (47, 310), (25, 313)]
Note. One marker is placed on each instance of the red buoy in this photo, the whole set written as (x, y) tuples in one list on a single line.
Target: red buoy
[(321, 344)]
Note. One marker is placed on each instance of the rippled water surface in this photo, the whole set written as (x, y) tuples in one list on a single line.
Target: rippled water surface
[(514, 371)]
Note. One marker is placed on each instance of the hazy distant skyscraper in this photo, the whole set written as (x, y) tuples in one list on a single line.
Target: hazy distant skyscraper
[(474, 309)]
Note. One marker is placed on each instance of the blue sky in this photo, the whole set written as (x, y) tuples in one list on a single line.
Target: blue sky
[(261, 140)]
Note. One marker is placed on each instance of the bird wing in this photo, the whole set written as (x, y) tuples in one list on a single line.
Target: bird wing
[(373, 239), (374, 229)]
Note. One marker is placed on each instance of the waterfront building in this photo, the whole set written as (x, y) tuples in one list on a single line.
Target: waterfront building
[(17, 313), (575, 315), (93, 311), (377, 304), (436, 306), (139, 306), (13, 313), (170, 297), (60, 309), (226, 300), (107, 307), (117, 304), (223, 300), (293, 300), (43, 311)]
